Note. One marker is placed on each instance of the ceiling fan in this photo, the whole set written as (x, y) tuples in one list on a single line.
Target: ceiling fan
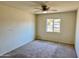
[(44, 7)]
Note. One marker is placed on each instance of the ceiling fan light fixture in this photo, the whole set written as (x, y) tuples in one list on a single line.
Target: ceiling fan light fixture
[(44, 11)]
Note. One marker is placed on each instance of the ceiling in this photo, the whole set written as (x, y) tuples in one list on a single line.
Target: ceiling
[(61, 6)]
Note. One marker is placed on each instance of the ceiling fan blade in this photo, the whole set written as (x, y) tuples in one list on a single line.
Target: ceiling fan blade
[(37, 10), (53, 9)]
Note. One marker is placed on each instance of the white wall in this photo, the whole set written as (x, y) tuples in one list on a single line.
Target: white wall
[(16, 28), (67, 34), (77, 34)]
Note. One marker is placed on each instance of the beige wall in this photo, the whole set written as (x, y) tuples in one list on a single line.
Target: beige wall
[(67, 34), (77, 34), (16, 28)]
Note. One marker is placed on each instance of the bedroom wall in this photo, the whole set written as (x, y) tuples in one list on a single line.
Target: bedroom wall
[(17, 28), (77, 34), (67, 34)]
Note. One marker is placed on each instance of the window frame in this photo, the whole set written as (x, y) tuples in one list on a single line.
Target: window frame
[(53, 31)]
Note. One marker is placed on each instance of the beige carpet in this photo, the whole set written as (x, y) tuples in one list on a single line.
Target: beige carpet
[(43, 49)]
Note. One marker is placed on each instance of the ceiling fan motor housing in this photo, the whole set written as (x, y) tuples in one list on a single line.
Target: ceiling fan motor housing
[(44, 8)]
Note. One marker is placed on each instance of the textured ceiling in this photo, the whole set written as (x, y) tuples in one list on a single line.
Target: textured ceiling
[(61, 6)]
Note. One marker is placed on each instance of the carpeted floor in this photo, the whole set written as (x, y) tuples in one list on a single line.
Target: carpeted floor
[(42, 49)]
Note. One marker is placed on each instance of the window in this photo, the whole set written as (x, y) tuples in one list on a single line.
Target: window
[(53, 25)]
